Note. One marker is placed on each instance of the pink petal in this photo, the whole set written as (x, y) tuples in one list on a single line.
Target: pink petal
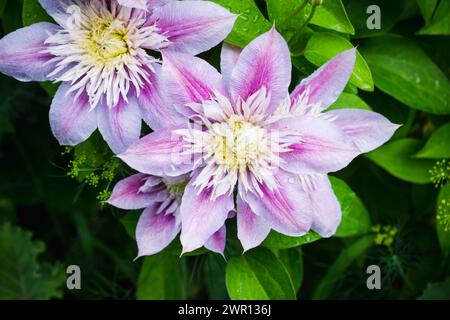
[(286, 209), (155, 109), (128, 196), (120, 126), (57, 9), (21, 53), (327, 210), (369, 130), (159, 153), (194, 26), (202, 216), (326, 84), (228, 58), (265, 62), (252, 228), (188, 79), (71, 119), (322, 148), (155, 231), (217, 241)]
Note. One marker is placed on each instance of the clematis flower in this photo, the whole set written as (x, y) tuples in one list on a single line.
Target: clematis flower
[(159, 223), (98, 52), (248, 139)]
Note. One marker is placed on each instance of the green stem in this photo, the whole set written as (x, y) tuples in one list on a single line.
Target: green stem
[(293, 14), (299, 31)]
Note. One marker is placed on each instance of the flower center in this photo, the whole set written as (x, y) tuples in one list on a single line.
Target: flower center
[(176, 190), (100, 51), (237, 144), (107, 41)]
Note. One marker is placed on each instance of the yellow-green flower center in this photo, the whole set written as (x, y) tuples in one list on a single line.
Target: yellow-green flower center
[(239, 146), (176, 190), (107, 40)]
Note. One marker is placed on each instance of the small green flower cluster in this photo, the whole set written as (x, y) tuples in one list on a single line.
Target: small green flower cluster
[(440, 173), (385, 235), (443, 214), (103, 175)]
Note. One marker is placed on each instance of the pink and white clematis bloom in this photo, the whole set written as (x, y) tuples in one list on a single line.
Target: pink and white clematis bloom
[(97, 50), (159, 223), (248, 140)]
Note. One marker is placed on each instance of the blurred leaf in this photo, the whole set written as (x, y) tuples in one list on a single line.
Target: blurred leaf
[(331, 15), (277, 240), (427, 8), (335, 271), (7, 210), (258, 275), (2, 7), (440, 23), (401, 69), (33, 12), (437, 146), (355, 217), (437, 291), (21, 275), (292, 260), (443, 220), (349, 101), (391, 13), (397, 157), (160, 278), (324, 46), (13, 20), (250, 23), (129, 222)]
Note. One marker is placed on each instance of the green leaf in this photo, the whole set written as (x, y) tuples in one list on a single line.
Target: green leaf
[(331, 15), (401, 69), (250, 23), (277, 240), (293, 262), (280, 10), (326, 285), (437, 291), (215, 276), (323, 46), (21, 275), (355, 217), (427, 8), (398, 158), (440, 23), (160, 278), (349, 101), (258, 275), (437, 146), (129, 222), (33, 12), (443, 220)]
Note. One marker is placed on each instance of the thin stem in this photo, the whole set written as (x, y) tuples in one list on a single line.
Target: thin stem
[(293, 14)]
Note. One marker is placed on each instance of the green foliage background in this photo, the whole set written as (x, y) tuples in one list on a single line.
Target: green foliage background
[(395, 200)]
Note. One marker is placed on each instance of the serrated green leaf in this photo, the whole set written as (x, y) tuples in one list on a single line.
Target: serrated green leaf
[(160, 278), (401, 69), (437, 146), (258, 275), (33, 12), (21, 275), (323, 46), (250, 23), (355, 217), (398, 158)]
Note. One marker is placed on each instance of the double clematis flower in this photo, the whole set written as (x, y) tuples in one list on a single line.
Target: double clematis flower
[(249, 146), (98, 51)]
